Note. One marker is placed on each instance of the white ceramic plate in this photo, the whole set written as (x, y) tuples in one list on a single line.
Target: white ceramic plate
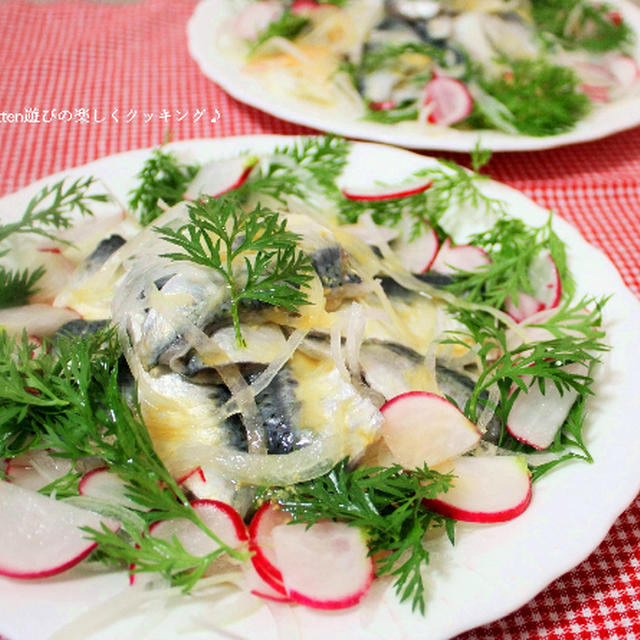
[(206, 38), (492, 570)]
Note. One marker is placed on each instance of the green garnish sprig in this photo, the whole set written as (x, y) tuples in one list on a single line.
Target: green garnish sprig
[(298, 169), (595, 26), (576, 337), (67, 398), (51, 208), (387, 503), (163, 178), (535, 96), (220, 236), (16, 287), (512, 247), (288, 25), (451, 185)]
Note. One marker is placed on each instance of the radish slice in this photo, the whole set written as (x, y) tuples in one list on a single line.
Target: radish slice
[(256, 17), (41, 536), (596, 93), (624, 69), (102, 484), (464, 256), (261, 544), (485, 489), (220, 176), (449, 99), (258, 587), (196, 475), (382, 105), (39, 320), (385, 192), (547, 286), (36, 469), (416, 254), (421, 427), (219, 517), (326, 566), (58, 270), (305, 7), (536, 417)]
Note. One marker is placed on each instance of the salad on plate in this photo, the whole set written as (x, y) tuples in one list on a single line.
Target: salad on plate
[(427, 67), (269, 372)]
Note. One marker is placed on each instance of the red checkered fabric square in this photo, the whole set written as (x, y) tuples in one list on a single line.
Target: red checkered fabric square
[(98, 79)]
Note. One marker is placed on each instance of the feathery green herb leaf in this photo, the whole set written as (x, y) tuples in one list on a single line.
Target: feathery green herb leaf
[(450, 185), (67, 398), (596, 27), (16, 287), (387, 503), (539, 98), (512, 247), (52, 206), (163, 177), (253, 252), (288, 26)]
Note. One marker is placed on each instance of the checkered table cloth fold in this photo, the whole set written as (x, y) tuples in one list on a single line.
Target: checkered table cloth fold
[(100, 79)]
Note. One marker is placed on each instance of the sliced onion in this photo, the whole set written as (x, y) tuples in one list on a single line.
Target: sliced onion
[(266, 470), (489, 408), (245, 401), (336, 351), (354, 335), (265, 378)]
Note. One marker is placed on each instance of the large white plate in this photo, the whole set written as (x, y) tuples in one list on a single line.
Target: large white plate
[(205, 45), (492, 570)]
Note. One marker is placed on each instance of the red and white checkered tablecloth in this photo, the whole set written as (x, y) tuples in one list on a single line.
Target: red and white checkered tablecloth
[(119, 77)]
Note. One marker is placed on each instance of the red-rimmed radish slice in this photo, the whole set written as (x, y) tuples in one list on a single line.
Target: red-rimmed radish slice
[(615, 17), (596, 80), (102, 484), (256, 17), (304, 7), (222, 519), (220, 176), (465, 256), (382, 105), (528, 331), (39, 320), (36, 469), (449, 99), (258, 587), (386, 192), (624, 69), (261, 544), (196, 482), (547, 286), (41, 536), (485, 489), (57, 271), (416, 254), (326, 566), (596, 93), (196, 474), (421, 427), (37, 346), (535, 417)]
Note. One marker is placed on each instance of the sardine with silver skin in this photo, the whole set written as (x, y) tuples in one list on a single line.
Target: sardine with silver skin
[(297, 424)]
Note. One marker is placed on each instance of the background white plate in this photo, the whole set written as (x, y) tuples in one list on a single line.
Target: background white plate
[(492, 570), (205, 46)]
